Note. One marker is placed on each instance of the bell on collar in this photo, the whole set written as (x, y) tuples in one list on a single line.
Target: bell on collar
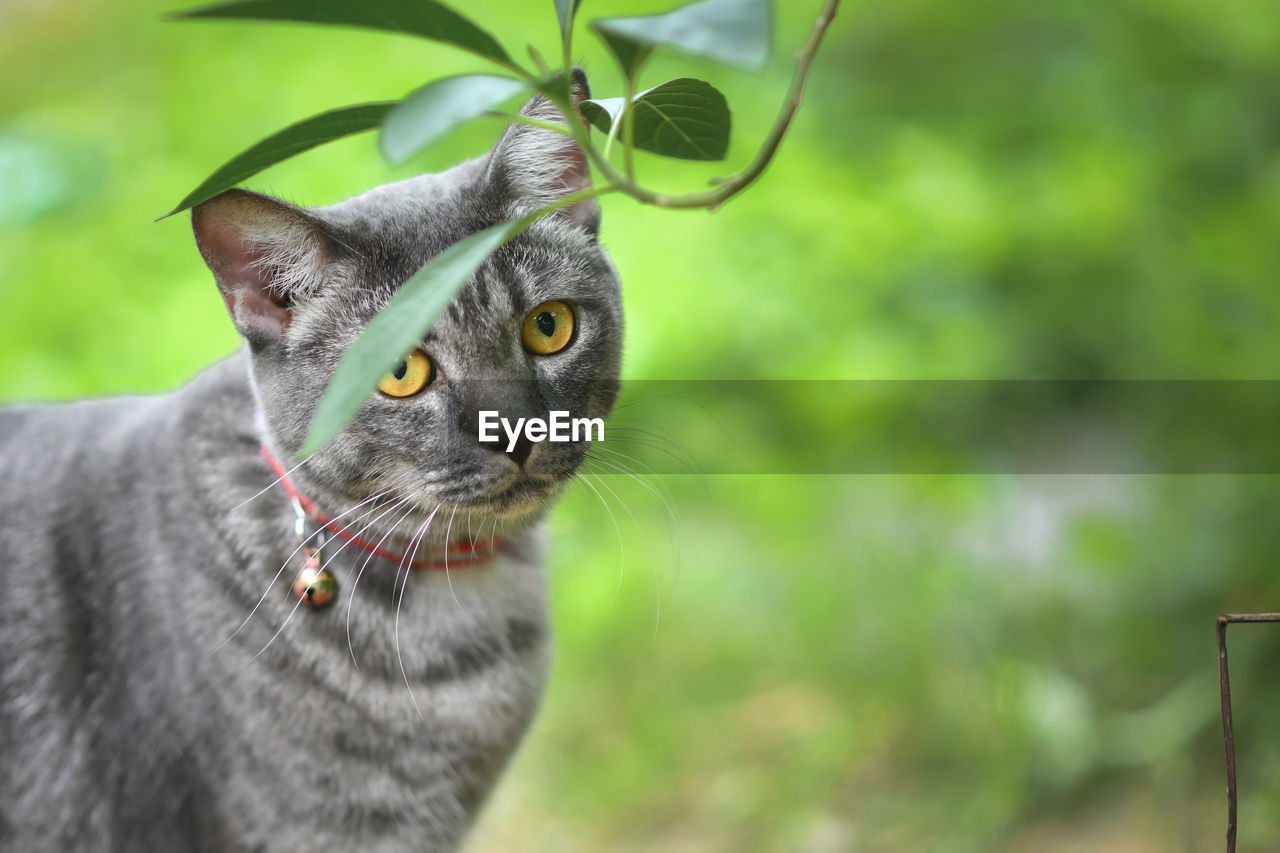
[(314, 584)]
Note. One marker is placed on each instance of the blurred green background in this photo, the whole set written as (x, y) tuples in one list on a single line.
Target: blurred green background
[(997, 189)]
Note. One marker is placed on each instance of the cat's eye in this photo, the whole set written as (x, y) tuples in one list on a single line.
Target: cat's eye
[(409, 376), (548, 328)]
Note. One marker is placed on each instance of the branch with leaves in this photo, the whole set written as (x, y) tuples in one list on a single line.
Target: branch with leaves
[(686, 118)]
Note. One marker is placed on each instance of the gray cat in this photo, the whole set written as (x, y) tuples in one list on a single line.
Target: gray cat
[(162, 688)]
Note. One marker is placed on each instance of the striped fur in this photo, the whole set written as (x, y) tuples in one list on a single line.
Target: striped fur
[(158, 691)]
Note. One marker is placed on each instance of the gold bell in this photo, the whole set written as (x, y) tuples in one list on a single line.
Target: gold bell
[(315, 585)]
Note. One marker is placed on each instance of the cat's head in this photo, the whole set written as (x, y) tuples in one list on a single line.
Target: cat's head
[(301, 285)]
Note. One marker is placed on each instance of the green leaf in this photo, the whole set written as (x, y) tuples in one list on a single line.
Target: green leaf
[(684, 118), (538, 60), (426, 18), (735, 32), (294, 139), (437, 108), (631, 55), (565, 10), (399, 326)]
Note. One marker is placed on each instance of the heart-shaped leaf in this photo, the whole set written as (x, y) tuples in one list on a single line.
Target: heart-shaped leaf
[(425, 18), (435, 109), (294, 139), (631, 55), (399, 326), (735, 32), (685, 118)]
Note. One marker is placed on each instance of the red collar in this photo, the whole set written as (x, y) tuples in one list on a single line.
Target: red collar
[(464, 554)]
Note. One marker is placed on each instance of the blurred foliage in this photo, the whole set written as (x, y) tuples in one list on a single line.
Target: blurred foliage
[(824, 663)]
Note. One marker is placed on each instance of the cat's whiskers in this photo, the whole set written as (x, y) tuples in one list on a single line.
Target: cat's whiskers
[(277, 481), (408, 557), (351, 596), (655, 432), (615, 416), (623, 418), (328, 560), (653, 486), (663, 496), (285, 565), (675, 449), (493, 533), (469, 537), (622, 557), (652, 434), (653, 563), (447, 578)]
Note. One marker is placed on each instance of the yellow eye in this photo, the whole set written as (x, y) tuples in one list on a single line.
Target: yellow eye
[(548, 328), (409, 376)]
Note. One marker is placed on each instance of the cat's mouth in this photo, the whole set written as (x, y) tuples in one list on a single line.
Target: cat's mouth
[(437, 520), (511, 497), (519, 497)]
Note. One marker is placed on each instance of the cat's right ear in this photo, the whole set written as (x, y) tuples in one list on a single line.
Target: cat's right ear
[(266, 255)]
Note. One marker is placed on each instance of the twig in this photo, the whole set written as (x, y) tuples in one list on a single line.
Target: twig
[(1228, 730), (735, 184)]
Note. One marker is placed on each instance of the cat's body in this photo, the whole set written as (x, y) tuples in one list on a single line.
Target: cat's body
[(130, 731), (144, 569)]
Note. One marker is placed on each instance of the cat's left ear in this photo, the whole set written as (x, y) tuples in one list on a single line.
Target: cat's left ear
[(533, 166)]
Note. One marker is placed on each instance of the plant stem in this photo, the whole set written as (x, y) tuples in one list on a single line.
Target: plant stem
[(629, 141), (515, 118), (566, 43), (1228, 727), (795, 94), (572, 198), (735, 184), (615, 125)]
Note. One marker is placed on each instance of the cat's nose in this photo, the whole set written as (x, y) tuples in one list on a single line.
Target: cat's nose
[(518, 453), (521, 451)]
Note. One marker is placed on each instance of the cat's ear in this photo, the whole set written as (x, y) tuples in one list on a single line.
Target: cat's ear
[(533, 166), (266, 255)]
